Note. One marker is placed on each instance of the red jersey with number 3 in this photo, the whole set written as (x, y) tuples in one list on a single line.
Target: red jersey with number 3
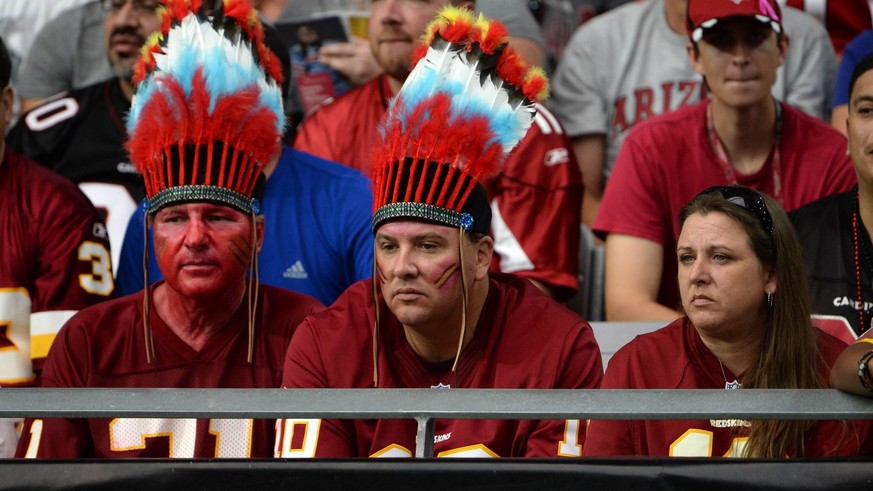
[(104, 346), (54, 261), (675, 358)]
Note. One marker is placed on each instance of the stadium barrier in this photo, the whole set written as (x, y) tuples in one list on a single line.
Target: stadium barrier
[(424, 406)]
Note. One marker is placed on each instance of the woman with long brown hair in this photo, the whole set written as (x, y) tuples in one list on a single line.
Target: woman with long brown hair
[(747, 325)]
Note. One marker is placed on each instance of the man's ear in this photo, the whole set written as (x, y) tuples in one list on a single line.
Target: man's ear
[(484, 251), (694, 57), (784, 43), (259, 230)]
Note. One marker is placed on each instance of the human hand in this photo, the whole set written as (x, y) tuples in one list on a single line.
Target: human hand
[(354, 60)]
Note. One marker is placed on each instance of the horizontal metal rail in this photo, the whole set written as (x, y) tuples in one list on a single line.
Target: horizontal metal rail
[(426, 405), (452, 403)]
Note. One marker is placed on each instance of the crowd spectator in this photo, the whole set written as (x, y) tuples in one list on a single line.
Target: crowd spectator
[(743, 135), (207, 325), (81, 134), (55, 259), (317, 245), (536, 197), (629, 65), (835, 231), (746, 325), (433, 316)]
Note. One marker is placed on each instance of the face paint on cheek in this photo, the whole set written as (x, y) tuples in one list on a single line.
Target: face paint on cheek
[(241, 250), (166, 260), (449, 273)]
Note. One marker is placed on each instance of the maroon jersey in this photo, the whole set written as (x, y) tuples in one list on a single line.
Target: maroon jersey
[(665, 161), (523, 340), (675, 358), (536, 199), (54, 261), (103, 346)]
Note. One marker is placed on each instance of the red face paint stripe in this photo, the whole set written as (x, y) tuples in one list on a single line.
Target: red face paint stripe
[(444, 277)]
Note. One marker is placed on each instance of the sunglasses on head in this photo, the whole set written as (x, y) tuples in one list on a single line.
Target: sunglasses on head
[(747, 198)]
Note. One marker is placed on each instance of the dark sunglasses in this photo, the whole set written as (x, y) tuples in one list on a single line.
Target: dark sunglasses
[(747, 198)]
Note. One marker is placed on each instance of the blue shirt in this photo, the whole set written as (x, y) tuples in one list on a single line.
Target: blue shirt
[(317, 237)]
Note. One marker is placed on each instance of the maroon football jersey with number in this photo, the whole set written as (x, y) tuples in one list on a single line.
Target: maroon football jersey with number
[(104, 346), (524, 340), (675, 358), (54, 261)]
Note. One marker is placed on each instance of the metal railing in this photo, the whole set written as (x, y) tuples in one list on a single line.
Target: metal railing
[(427, 405)]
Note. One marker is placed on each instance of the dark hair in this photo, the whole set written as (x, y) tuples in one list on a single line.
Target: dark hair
[(789, 356), (862, 67), (5, 66)]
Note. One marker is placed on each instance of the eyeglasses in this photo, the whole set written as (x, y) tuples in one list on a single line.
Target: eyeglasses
[(139, 6), (747, 198)]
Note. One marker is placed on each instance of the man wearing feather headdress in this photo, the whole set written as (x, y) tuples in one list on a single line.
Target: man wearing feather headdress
[(535, 197), (432, 315), (205, 119)]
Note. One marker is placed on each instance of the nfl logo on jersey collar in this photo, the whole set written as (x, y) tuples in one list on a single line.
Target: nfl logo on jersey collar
[(441, 386)]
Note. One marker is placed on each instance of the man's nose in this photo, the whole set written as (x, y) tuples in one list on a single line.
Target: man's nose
[(196, 233), (404, 264)]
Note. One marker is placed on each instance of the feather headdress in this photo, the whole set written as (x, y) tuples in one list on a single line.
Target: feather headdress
[(206, 117), (207, 112), (466, 104)]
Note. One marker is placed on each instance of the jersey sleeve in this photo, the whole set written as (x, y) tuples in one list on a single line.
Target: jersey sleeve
[(74, 266), (579, 367), (536, 203), (304, 369)]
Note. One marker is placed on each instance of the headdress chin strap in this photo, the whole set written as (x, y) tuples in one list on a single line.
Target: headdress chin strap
[(253, 286), (461, 237), (146, 299)]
